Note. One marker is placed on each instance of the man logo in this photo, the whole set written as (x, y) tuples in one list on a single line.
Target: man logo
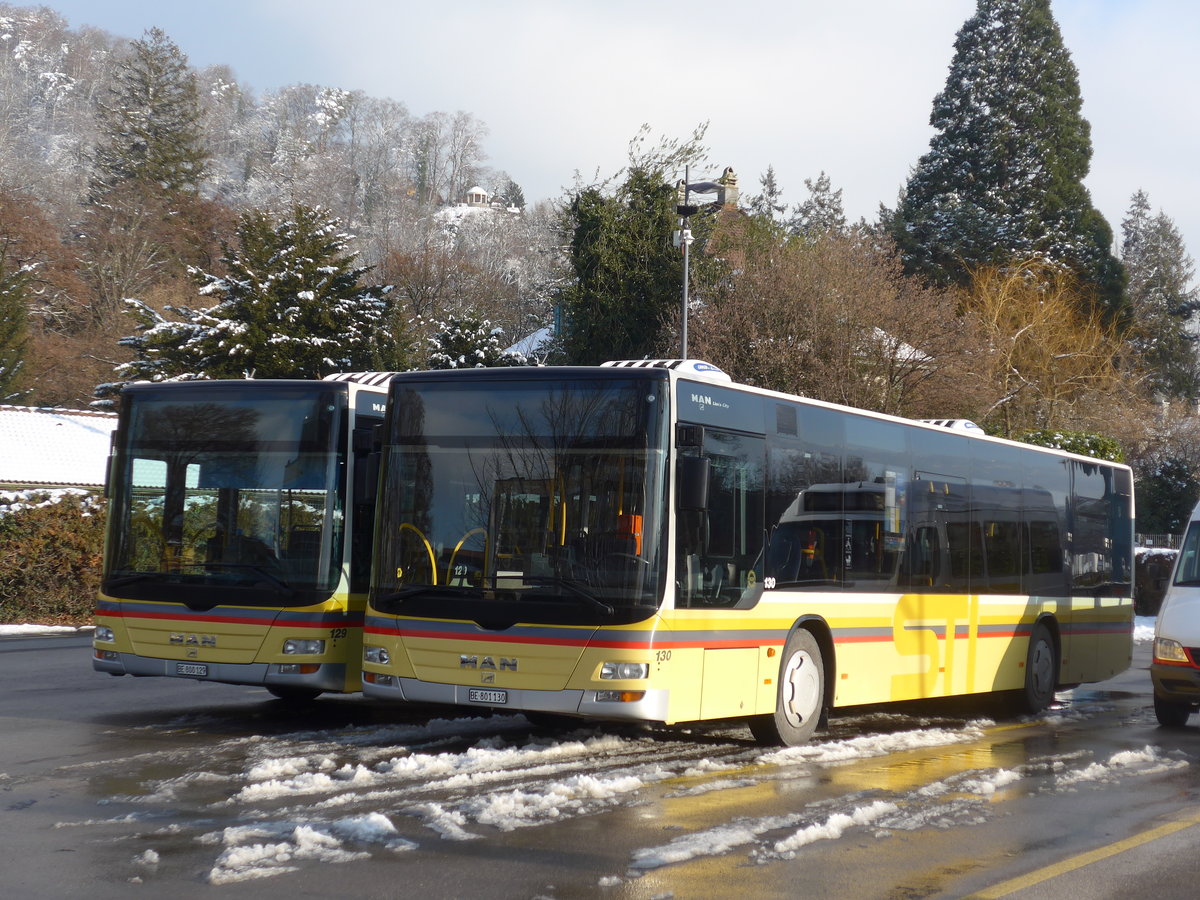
[(487, 663), (193, 640)]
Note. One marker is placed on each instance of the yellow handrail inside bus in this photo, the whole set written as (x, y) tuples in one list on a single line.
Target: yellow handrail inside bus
[(428, 548)]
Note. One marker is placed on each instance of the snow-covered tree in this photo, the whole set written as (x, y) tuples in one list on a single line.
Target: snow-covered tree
[(1003, 178), (1163, 299), (150, 122), (291, 306), (468, 342)]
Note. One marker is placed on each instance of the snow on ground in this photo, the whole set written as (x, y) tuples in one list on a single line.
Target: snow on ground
[(27, 629), (264, 805)]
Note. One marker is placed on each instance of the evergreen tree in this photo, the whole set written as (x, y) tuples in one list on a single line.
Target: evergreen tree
[(822, 213), (511, 195), (1164, 302), (290, 307), (150, 122), (15, 281), (1003, 177), (629, 277), (469, 342), (769, 204), (624, 299)]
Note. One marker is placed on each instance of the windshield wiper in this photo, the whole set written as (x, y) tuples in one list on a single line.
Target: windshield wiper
[(259, 570), (575, 587), (124, 580), (443, 590)]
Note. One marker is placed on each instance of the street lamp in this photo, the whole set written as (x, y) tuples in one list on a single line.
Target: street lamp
[(684, 237)]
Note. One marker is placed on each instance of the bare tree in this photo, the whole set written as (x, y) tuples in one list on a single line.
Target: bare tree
[(835, 320), (1050, 359)]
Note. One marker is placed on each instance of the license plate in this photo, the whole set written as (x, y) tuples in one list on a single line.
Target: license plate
[(191, 669), (479, 695)]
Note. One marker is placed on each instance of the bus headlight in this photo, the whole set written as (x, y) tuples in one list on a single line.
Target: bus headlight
[(377, 655), (293, 647), (1168, 650), (105, 634), (624, 671)]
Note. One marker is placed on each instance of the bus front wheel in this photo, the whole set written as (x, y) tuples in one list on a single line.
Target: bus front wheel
[(800, 695)]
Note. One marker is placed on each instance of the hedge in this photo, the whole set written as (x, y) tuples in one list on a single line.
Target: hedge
[(50, 555)]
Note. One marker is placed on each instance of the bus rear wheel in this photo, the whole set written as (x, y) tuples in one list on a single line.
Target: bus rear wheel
[(800, 695), (1041, 671)]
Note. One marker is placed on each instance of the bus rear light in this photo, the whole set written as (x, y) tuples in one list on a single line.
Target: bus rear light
[(619, 696)]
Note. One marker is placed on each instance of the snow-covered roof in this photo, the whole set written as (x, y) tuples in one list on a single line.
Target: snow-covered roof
[(533, 345), (53, 447)]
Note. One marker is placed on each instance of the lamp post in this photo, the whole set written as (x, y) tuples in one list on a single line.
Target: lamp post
[(686, 210)]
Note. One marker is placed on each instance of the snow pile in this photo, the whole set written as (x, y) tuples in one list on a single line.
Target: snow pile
[(833, 827), (869, 746), (261, 851), (1147, 761)]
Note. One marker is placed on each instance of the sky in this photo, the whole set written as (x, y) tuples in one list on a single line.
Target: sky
[(805, 86)]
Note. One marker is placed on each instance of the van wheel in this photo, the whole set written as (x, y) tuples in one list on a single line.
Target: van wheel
[(1170, 714), (800, 696)]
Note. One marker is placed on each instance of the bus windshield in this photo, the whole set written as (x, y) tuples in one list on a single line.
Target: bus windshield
[(522, 500), (230, 493)]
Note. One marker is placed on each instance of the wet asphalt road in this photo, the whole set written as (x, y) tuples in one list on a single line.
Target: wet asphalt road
[(115, 787)]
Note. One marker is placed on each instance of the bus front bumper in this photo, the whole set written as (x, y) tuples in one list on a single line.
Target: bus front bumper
[(327, 677), (652, 707)]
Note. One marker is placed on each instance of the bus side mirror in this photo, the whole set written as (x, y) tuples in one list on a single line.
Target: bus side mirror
[(691, 483)]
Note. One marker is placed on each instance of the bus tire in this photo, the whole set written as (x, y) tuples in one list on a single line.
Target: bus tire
[(294, 694), (1041, 671), (1171, 714), (799, 697)]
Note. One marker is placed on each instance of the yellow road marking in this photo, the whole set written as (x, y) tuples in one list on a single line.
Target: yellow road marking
[(1085, 859)]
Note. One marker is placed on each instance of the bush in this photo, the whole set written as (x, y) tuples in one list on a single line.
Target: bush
[(50, 555), (1084, 443)]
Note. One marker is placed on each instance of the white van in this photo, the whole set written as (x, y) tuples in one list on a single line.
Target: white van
[(1175, 667)]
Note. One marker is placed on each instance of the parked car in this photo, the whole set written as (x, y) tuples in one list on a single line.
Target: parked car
[(1175, 666)]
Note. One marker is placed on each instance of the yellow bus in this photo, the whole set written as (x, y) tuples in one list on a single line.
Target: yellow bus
[(650, 541), (239, 532)]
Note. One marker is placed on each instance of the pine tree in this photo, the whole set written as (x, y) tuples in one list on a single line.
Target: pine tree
[(291, 306), (1164, 302), (629, 278), (768, 204), (150, 123), (624, 299), (469, 342), (822, 213), (1003, 178), (15, 282)]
